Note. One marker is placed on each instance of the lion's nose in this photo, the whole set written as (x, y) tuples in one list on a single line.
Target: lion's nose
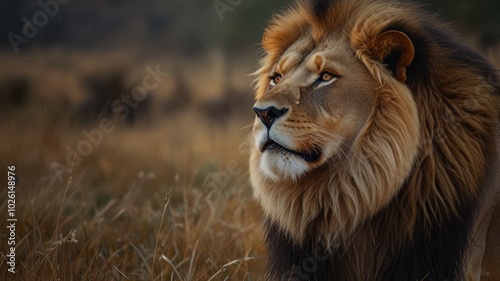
[(269, 115)]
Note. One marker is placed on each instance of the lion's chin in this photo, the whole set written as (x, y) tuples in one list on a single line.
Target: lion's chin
[(282, 165)]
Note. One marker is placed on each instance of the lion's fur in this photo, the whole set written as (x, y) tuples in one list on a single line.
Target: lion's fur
[(419, 162)]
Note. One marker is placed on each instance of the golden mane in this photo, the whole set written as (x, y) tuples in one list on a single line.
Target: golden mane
[(421, 157)]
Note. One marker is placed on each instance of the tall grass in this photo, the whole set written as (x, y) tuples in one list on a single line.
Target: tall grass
[(146, 204)]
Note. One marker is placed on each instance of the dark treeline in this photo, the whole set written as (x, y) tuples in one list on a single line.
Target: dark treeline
[(186, 27)]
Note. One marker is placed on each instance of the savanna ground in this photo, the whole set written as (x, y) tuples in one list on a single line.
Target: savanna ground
[(165, 196)]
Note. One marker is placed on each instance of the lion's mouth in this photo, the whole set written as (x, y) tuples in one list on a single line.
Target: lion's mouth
[(311, 155)]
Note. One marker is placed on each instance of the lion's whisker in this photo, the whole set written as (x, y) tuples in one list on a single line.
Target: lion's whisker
[(247, 126)]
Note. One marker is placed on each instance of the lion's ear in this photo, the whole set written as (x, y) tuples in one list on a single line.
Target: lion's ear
[(395, 49)]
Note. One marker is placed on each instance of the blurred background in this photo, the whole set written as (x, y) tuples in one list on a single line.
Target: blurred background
[(127, 124)]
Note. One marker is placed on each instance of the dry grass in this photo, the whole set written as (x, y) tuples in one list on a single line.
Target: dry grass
[(157, 203)]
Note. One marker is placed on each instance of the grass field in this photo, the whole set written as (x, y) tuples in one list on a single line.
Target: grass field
[(168, 201)]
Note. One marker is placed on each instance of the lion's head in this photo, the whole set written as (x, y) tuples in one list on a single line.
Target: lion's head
[(350, 111), (316, 107)]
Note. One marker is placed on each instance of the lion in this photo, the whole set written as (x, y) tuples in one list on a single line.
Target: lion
[(376, 146)]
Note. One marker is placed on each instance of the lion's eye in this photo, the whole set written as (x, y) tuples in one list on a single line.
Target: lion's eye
[(275, 79), (325, 76), (325, 79)]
